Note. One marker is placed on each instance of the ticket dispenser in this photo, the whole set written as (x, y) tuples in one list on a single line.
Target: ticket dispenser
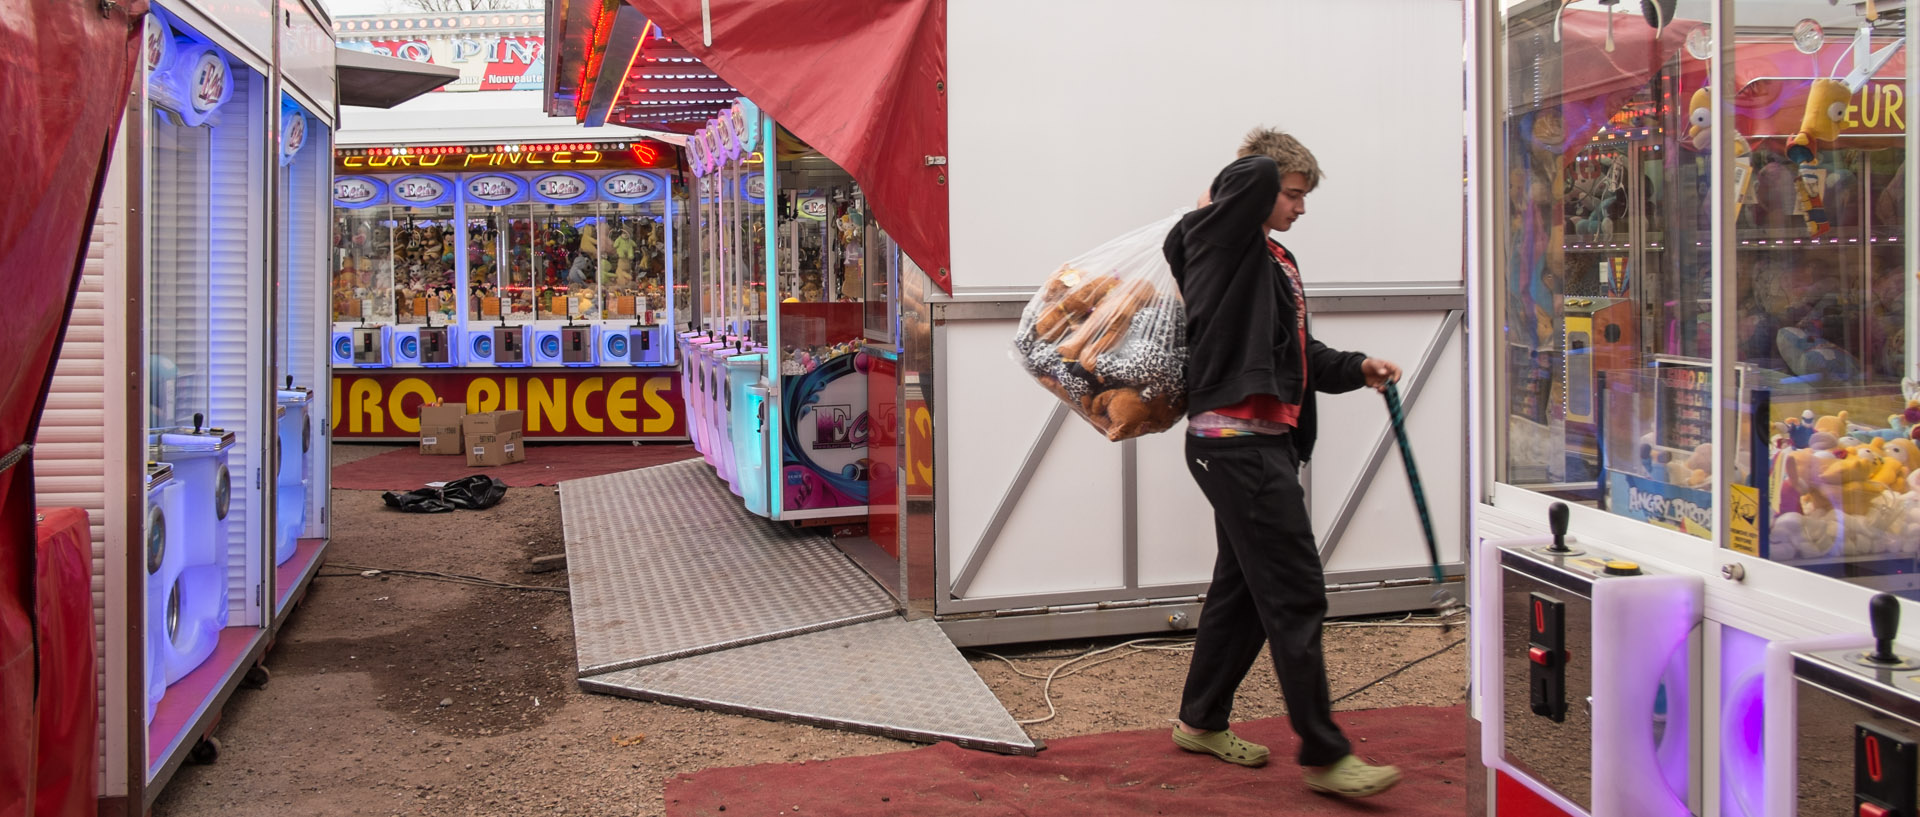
[(1600, 661), (370, 347), (436, 346), (1857, 722), (510, 345), (576, 344)]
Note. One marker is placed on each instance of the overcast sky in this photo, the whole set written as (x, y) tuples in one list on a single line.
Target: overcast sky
[(340, 8), (344, 7)]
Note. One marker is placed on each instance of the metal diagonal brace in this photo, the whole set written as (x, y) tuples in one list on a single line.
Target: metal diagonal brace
[(1351, 504), (1009, 499)]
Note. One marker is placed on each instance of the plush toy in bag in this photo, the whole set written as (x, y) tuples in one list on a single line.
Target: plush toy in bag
[(1107, 334)]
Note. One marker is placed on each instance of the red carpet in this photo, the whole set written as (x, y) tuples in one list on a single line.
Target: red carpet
[(1119, 773), (546, 464)]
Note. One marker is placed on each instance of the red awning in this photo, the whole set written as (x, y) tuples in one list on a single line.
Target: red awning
[(863, 83), (64, 69)]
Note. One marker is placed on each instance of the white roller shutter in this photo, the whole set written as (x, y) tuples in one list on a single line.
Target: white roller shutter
[(71, 456), (234, 364)]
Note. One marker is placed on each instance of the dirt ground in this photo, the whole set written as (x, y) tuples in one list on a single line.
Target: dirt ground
[(393, 695)]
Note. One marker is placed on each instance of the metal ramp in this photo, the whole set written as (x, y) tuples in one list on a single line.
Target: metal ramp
[(681, 595)]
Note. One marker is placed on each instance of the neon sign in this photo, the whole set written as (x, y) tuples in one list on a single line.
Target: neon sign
[(631, 187), (495, 189), (562, 188), (355, 192), (423, 191)]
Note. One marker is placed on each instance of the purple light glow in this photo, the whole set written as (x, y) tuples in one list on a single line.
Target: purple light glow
[(1742, 722)]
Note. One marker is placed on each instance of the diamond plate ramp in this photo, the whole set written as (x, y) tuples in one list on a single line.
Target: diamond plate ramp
[(890, 677), (665, 562)]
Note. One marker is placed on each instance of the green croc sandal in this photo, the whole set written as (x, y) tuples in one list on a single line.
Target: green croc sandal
[(1352, 777), (1223, 744)]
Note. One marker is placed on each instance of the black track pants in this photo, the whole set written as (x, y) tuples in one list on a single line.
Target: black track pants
[(1267, 589)]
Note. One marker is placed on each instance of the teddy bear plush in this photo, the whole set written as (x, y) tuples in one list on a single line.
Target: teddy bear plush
[(1112, 349)]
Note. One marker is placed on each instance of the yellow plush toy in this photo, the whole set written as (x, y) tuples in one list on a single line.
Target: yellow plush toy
[(1901, 453), (1835, 424), (1845, 481), (1825, 117)]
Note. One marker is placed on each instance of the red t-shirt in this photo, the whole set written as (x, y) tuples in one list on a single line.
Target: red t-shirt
[(1267, 407)]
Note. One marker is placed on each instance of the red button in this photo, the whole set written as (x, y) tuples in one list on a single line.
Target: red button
[(1871, 810), (1540, 655)]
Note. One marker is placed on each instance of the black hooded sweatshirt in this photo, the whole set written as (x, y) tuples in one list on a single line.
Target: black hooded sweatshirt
[(1242, 338)]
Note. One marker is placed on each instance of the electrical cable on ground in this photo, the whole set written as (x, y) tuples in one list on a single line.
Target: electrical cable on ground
[(1138, 646), (1403, 668), (431, 575)]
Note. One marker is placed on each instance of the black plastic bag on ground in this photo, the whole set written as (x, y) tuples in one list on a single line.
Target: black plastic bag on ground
[(474, 493)]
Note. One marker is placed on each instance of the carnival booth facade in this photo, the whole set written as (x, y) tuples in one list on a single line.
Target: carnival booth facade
[(486, 255), (1698, 497)]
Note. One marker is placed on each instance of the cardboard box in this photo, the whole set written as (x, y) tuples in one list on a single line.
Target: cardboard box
[(440, 429), (494, 437)]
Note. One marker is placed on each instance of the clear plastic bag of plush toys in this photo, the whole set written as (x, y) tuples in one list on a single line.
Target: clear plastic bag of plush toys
[(1106, 334)]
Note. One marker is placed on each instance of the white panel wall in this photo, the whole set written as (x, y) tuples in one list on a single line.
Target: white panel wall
[(1385, 527), (1086, 120), (1176, 524), (1083, 120), (992, 420)]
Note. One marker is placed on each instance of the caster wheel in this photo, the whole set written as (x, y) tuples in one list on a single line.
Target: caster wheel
[(205, 751), (257, 677)]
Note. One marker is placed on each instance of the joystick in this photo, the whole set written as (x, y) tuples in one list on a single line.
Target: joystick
[(1557, 515), (199, 419), (1883, 613)]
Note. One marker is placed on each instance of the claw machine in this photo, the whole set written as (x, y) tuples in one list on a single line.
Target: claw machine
[(782, 359), (182, 417), (1712, 627), (301, 453)]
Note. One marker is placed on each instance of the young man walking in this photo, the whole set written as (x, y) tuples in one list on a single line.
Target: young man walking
[(1251, 376)]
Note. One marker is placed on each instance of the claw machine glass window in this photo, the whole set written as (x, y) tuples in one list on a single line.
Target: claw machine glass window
[(179, 328), (362, 256), (1824, 292), (487, 230), (751, 187), (1606, 241), (803, 235), (423, 264), (569, 261), (684, 248), (634, 273), (882, 302), (304, 192)]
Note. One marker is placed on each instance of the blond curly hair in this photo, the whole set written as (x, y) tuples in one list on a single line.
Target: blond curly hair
[(1285, 151)]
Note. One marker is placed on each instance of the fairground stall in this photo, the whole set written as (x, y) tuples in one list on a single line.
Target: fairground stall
[(1696, 481), (989, 509), (785, 423), (181, 417), (483, 254)]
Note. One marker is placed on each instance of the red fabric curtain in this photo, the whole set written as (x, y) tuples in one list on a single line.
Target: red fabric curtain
[(64, 69), (863, 83)]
